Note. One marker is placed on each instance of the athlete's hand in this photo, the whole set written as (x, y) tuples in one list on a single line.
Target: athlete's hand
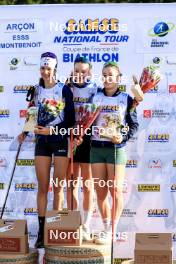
[(137, 91), (117, 139), (78, 141), (40, 130), (21, 137)]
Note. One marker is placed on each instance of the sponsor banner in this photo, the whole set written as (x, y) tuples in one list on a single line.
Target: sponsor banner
[(96, 39), (24, 34), (128, 35), (155, 35)]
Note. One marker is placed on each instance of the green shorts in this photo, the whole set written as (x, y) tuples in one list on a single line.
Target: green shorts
[(108, 155)]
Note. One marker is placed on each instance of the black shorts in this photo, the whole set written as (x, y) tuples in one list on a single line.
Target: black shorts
[(82, 154), (58, 149)]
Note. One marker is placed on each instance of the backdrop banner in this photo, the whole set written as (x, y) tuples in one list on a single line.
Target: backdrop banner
[(128, 34)]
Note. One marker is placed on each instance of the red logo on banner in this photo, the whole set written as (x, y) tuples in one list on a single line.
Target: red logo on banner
[(172, 88), (23, 113), (147, 113)]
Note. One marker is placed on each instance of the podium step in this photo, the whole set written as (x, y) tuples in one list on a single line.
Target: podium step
[(85, 254), (30, 258), (132, 262)]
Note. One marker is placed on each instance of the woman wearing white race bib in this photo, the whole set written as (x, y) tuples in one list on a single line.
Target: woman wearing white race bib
[(50, 146), (83, 91), (108, 146)]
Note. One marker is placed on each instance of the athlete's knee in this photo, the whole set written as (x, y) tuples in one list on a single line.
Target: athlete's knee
[(117, 192), (42, 189)]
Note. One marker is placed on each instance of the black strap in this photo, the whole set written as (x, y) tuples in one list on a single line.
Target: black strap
[(30, 94)]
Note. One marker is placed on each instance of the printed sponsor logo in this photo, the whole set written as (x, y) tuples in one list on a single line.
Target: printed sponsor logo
[(158, 138), (14, 63), (148, 187), (147, 113), (131, 164), (158, 212), (102, 32), (3, 162), (155, 113), (128, 213), (173, 187), (4, 113), (1, 89), (6, 138), (172, 88), (2, 185), (21, 88), (155, 164), (160, 30), (121, 237), (120, 260), (25, 162), (30, 211), (25, 186)]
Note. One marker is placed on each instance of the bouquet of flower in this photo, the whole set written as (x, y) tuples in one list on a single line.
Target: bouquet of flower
[(112, 126), (86, 115), (150, 77), (48, 110), (31, 119)]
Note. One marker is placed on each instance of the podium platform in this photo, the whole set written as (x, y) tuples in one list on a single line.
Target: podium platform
[(88, 253), (132, 262), (29, 258)]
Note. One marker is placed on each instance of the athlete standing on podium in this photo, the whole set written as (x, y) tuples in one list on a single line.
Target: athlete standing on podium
[(108, 153), (83, 91), (51, 146)]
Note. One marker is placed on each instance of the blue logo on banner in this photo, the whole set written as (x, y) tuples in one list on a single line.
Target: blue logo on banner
[(161, 29)]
